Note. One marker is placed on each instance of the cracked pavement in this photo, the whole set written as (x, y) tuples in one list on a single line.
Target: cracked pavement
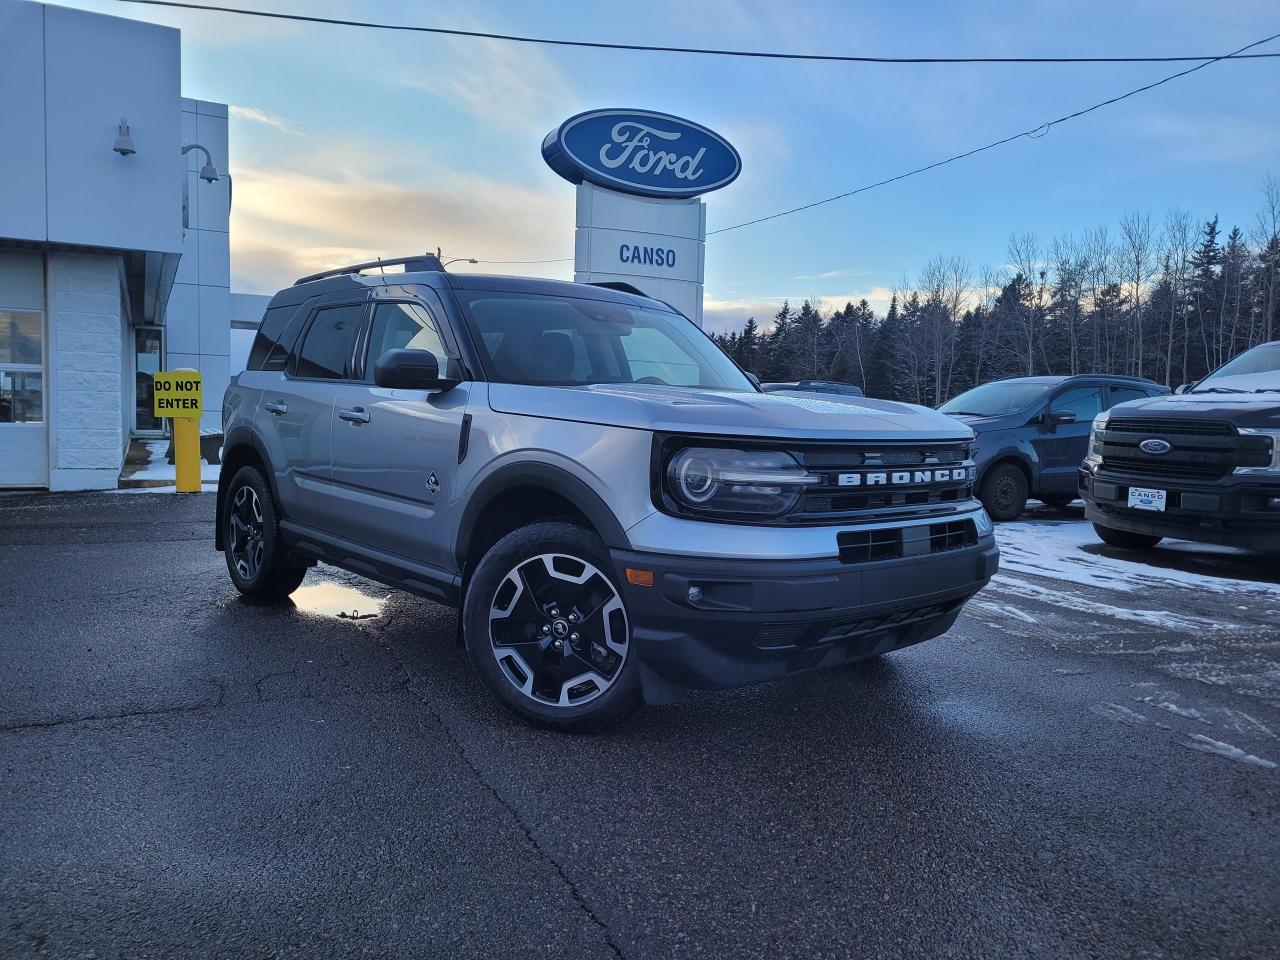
[(186, 774)]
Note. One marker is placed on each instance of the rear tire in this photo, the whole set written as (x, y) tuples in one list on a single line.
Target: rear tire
[(1004, 492), (1125, 539), (257, 559), (547, 629)]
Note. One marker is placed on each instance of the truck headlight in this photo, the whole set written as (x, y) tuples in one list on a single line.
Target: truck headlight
[(724, 482), (1271, 468), (1094, 455)]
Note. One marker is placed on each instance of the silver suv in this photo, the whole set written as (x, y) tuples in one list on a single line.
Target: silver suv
[(617, 509)]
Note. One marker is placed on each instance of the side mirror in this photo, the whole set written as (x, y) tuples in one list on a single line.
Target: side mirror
[(1057, 417), (753, 378), (1183, 387), (410, 370)]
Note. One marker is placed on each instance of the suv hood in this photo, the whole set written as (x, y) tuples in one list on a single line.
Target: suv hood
[(727, 413)]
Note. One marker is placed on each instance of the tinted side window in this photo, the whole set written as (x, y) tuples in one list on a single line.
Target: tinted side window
[(276, 334), (1123, 394), (1084, 402), (326, 348), (402, 326)]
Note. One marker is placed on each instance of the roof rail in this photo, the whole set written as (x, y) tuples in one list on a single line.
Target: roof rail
[(418, 263)]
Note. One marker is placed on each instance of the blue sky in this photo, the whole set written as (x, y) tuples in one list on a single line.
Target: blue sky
[(352, 143)]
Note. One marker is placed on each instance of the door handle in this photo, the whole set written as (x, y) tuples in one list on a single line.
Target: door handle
[(354, 415), (278, 407)]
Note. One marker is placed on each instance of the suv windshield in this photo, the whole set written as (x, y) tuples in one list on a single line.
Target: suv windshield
[(1257, 369), (996, 399), (569, 341)]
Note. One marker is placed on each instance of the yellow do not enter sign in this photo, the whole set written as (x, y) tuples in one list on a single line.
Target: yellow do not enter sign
[(177, 393)]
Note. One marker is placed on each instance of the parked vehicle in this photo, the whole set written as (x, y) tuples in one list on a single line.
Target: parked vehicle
[(820, 387), (1201, 465), (617, 510), (1032, 433)]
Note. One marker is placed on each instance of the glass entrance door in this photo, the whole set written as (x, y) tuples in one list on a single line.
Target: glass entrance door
[(148, 360), (24, 438)]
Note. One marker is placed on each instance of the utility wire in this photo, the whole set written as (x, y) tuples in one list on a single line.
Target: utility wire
[(699, 51), (1035, 133)]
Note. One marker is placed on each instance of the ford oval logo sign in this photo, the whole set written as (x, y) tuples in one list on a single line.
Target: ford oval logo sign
[(1155, 446), (641, 152)]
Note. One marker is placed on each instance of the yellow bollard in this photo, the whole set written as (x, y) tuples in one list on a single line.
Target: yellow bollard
[(186, 453), (176, 395)]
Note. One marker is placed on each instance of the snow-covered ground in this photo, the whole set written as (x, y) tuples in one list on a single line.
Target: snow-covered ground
[(155, 467)]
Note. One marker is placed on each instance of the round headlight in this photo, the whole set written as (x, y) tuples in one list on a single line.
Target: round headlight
[(695, 475)]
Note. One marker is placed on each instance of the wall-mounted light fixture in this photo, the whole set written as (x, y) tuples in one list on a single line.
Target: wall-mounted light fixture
[(124, 142), (208, 173)]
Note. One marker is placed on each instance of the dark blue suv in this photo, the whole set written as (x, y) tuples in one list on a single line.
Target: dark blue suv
[(1033, 432)]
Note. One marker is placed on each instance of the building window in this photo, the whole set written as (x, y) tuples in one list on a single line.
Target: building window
[(148, 355), (21, 368)]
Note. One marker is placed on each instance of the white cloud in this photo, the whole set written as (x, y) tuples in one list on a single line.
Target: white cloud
[(722, 316), (288, 223), (506, 85), (256, 115)]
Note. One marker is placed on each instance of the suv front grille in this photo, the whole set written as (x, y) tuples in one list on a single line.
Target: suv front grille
[(867, 546), (915, 492)]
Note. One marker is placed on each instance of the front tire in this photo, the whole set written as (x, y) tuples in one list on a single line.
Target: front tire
[(1004, 492), (256, 556), (1125, 538), (546, 627)]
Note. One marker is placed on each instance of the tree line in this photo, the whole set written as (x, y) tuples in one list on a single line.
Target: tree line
[(1166, 300)]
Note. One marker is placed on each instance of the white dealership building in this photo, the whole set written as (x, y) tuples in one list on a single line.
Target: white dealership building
[(114, 242)]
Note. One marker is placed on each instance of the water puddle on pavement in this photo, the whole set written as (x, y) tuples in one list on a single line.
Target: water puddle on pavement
[(337, 600)]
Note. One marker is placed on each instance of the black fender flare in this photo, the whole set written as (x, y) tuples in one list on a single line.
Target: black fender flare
[(240, 437), (550, 477)]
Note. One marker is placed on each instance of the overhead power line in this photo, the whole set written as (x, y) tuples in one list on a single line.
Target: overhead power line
[(697, 51), (1035, 133)]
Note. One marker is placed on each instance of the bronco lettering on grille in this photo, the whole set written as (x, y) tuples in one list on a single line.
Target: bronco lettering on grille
[(902, 477)]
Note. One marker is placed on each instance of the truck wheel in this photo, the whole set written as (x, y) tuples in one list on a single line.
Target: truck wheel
[(256, 556), (547, 629), (1126, 539), (1004, 492)]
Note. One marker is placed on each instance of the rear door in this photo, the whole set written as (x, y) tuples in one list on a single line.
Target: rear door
[(300, 411), (395, 452), (1064, 445)]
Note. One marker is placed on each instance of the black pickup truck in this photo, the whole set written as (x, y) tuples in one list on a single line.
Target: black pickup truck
[(1202, 464)]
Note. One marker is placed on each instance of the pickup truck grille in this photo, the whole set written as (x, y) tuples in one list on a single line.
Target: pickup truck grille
[(1200, 450), (1171, 427), (865, 481)]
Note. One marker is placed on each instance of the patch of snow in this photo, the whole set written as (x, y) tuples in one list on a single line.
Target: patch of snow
[(156, 467), (1116, 711), (1198, 741), (1005, 609), (1056, 549), (1152, 618)]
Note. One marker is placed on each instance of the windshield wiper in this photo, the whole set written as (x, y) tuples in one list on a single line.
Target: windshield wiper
[(964, 413), (1266, 390), (1220, 390)]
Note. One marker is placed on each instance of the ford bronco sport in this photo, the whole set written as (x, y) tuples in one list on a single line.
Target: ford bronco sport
[(617, 510)]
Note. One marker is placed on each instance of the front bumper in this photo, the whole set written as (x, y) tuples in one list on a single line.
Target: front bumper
[(1232, 512), (760, 620)]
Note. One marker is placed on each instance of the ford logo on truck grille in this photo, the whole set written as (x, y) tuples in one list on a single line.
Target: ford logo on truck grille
[(1155, 446)]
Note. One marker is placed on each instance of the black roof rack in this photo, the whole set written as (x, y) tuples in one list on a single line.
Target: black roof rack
[(418, 263)]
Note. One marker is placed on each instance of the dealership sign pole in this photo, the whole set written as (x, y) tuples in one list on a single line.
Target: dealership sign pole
[(178, 396), (640, 222)]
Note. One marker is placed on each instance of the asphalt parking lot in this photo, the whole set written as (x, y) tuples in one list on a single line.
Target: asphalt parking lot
[(1083, 767)]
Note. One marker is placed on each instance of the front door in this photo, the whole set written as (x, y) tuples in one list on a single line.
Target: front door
[(148, 360), (24, 433), (395, 452), (1062, 446)]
